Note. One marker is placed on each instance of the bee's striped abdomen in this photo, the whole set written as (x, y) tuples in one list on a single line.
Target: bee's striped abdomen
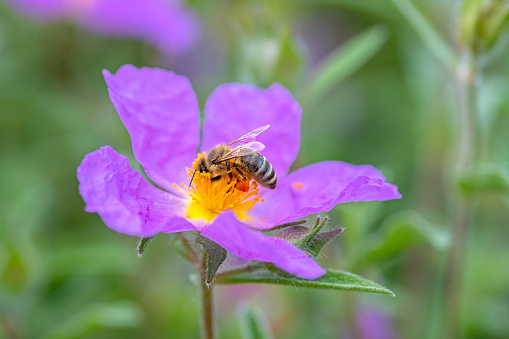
[(260, 169)]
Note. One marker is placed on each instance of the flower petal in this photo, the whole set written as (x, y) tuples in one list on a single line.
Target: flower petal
[(126, 202), (243, 242), (160, 111), (234, 109), (318, 188), (166, 24), (42, 9)]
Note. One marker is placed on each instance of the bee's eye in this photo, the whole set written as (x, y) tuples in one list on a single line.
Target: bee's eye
[(214, 162), (202, 168)]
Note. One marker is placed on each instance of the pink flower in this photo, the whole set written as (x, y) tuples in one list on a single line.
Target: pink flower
[(161, 114), (166, 24)]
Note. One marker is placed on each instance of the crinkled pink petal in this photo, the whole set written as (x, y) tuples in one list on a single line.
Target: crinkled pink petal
[(166, 24), (318, 188), (234, 109), (243, 242), (126, 202), (161, 113)]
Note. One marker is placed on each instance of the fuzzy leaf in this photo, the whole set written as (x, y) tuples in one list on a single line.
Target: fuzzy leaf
[(215, 256), (332, 280)]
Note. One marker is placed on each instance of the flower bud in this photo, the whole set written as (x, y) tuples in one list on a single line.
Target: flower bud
[(482, 22)]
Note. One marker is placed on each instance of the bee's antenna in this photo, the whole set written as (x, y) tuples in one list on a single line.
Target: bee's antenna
[(192, 178)]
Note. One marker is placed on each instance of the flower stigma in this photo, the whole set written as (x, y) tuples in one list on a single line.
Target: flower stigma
[(209, 198)]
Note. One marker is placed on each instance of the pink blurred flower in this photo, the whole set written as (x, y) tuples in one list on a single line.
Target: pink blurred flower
[(373, 323), (161, 113), (166, 24)]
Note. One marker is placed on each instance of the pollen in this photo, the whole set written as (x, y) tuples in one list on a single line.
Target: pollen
[(209, 198)]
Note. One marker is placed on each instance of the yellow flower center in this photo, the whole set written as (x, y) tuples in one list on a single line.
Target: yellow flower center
[(209, 198)]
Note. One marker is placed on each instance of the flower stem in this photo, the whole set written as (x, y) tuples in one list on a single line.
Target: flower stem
[(464, 153), (206, 303)]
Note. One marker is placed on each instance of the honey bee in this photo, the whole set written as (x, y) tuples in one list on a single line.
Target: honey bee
[(239, 160)]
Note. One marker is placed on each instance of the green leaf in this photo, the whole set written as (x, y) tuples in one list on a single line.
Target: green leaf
[(345, 60), (430, 36), (332, 280), (13, 276), (487, 179), (215, 256), (402, 231), (253, 324), (95, 317)]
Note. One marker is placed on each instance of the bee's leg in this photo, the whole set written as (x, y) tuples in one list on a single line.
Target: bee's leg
[(230, 174), (229, 170), (216, 178), (240, 173)]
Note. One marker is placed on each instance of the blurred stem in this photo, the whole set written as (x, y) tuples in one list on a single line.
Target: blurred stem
[(350, 302), (206, 302), (7, 327), (462, 156)]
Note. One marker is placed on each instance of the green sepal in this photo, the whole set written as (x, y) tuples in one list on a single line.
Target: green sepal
[(305, 242), (142, 244), (291, 232), (287, 225), (332, 280), (314, 241), (320, 239), (215, 256)]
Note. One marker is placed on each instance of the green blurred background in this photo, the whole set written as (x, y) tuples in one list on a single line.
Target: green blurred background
[(376, 87)]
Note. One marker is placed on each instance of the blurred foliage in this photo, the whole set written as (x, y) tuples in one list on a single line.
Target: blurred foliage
[(253, 324), (482, 22), (383, 98)]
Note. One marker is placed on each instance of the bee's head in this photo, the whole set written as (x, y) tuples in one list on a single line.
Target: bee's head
[(210, 160), (201, 165)]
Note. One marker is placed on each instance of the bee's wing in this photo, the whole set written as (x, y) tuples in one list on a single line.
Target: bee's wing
[(247, 138), (242, 151)]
